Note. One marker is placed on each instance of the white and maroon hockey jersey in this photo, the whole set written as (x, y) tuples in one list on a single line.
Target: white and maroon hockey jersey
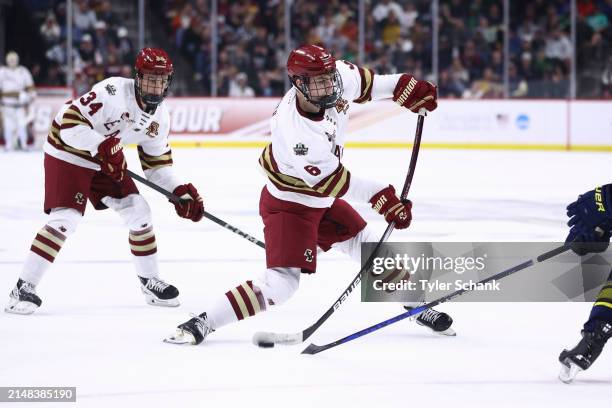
[(16, 86), (303, 162), (110, 109)]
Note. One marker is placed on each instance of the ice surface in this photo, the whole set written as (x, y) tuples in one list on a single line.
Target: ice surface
[(94, 330)]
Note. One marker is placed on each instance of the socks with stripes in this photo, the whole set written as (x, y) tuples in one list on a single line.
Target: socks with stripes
[(44, 250), (144, 251), (239, 303)]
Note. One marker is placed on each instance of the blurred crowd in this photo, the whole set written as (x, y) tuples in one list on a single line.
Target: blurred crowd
[(102, 47), (398, 38)]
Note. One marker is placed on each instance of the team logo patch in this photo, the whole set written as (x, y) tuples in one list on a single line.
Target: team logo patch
[(125, 116), (308, 255), (300, 149), (153, 129), (79, 198), (110, 89), (342, 105)]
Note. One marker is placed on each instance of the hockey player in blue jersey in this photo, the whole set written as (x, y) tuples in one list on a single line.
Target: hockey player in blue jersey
[(591, 228)]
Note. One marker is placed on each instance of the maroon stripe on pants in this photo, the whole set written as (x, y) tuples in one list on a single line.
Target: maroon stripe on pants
[(42, 253), (232, 300), (247, 300)]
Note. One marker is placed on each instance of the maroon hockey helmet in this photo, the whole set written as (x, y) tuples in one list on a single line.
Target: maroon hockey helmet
[(309, 61), (153, 61)]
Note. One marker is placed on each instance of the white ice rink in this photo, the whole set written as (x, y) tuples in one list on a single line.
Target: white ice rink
[(94, 330)]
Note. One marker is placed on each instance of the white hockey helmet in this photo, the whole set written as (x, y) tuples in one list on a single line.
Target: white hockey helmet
[(12, 59)]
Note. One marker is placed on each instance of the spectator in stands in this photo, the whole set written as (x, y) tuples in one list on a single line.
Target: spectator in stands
[(105, 13), (84, 17), (87, 51), (124, 46), (239, 88), (558, 47), (447, 87), (486, 87), (518, 86), (50, 30), (384, 8)]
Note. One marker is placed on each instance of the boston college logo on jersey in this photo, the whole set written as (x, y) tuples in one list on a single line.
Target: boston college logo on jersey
[(153, 129), (308, 255), (342, 105), (79, 198)]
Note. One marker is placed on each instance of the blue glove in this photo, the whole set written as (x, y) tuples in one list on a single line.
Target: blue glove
[(590, 221)]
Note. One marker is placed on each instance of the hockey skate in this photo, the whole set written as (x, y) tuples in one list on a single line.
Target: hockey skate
[(23, 299), (159, 293), (193, 331), (585, 353), (438, 322)]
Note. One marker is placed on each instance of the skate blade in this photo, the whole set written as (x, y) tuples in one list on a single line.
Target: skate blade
[(569, 371), (153, 301), (180, 337), (19, 307), (448, 332)]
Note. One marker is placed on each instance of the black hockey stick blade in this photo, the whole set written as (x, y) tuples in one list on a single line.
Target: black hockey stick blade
[(314, 349)]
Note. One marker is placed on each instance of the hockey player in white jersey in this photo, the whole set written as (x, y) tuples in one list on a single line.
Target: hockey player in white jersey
[(17, 94), (84, 160), (302, 204)]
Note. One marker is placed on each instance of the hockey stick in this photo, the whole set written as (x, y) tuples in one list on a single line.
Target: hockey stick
[(269, 339), (314, 349), (176, 199)]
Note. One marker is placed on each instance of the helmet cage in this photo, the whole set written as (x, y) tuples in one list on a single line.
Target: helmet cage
[(151, 100), (323, 102)]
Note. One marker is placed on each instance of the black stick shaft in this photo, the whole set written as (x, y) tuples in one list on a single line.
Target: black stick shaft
[(314, 349), (306, 333), (176, 199)]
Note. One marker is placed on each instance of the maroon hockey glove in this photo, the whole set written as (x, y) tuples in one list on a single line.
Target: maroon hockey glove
[(386, 203), (414, 95), (192, 206), (112, 161)]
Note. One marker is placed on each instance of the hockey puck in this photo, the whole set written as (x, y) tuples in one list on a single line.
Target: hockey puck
[(265, 344)]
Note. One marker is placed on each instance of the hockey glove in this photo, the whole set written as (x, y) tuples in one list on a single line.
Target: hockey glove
[(414, 95), (386, 203), (192, 205), (112, 161), (590, 221)]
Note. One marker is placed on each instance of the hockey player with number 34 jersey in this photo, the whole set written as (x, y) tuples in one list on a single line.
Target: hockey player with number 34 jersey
[(302, 205), (84, 161)]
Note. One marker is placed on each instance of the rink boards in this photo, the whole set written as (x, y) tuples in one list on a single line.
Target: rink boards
[(481, 124)]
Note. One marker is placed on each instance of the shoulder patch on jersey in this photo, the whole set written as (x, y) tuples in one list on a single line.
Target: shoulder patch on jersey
[(110, 89), (342, 105), (300, 149), (153, 129)]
